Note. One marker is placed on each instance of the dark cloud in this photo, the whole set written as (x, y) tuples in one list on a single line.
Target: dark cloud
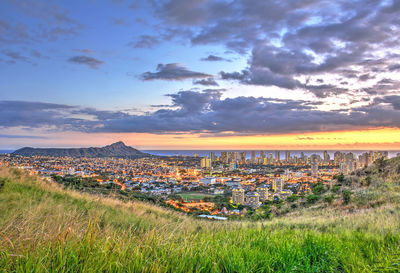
[(206, 82), (293, 40), (89, 61), (206, 112), (172, 71), (213, 58), (262, 76), (394, 67), (22, 136)]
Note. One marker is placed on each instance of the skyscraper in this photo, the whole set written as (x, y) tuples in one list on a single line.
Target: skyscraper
[(205, 162), (212, 157), (327, 158), (277, 156), (253, 156), (287, 157), (314, 165), (243, 157), (224, 157)]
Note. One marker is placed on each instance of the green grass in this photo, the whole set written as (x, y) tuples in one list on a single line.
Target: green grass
[(188, 196), (44, 228)]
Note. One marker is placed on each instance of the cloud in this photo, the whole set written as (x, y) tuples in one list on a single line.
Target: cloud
[(22, 136), (205, 112), (50, 22), (213, 58), (89, 61), (290, 41), (206, 82), (172, 71), (15, 57), (145, 41)]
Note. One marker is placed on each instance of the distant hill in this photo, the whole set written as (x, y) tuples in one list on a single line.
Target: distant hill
[(118, 149)]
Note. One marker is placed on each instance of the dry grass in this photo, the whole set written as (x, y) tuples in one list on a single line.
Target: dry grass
[(46, 228)]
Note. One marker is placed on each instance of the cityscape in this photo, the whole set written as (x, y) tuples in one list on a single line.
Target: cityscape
[(248, 179)]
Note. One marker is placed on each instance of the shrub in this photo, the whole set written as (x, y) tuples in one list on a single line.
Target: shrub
[(312, 198), (336, 188), (346, 194), (340, 178), (318, 188), (292, 198)]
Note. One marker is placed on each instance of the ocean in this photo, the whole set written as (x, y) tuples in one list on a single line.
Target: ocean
[(6, 151)]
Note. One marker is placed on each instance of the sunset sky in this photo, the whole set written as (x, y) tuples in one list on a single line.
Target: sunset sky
[(198, 74)]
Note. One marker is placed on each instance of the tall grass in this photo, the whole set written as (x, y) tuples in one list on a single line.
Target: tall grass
[(44, 228)]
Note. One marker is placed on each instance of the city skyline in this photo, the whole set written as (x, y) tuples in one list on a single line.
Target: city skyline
[(183, 74)]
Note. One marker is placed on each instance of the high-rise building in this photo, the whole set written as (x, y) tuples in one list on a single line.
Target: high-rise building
[(212, 157), (380, 154), (277, 156), (262, 155), (350, 162), (327, 158), (338, 157), (243, 157), (270, 157), (253, 156), (274, 186), (231, 157), (205, 162), (263, 192), (279, 184), (314, 165), (232, 166), (224, 157), (287, 156), (253, 199), (238, 196)]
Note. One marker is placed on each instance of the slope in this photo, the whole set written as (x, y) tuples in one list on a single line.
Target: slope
[(46, 228)]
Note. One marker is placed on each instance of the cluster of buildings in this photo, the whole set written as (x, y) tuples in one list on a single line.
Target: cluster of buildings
[(251, 178)]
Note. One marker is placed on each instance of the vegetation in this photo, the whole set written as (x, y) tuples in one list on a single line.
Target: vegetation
[(45, 227)]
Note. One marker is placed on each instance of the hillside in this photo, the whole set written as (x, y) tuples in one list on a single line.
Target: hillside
[(118, 149), (46, 228)]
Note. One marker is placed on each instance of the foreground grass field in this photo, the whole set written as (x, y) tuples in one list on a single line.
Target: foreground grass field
[(44, 228)]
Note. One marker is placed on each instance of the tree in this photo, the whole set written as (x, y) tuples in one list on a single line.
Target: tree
[(346, 194), (340, 178), (312, 198), (318, 188)]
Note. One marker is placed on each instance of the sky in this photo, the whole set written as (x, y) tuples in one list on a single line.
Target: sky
[(199, 74)]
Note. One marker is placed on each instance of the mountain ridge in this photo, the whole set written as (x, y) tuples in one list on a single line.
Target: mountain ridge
[(117, 149)]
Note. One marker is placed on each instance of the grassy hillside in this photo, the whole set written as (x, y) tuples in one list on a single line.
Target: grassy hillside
[(44, 228)]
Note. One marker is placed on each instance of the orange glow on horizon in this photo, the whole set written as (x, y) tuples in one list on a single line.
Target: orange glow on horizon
[(380, 138)]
